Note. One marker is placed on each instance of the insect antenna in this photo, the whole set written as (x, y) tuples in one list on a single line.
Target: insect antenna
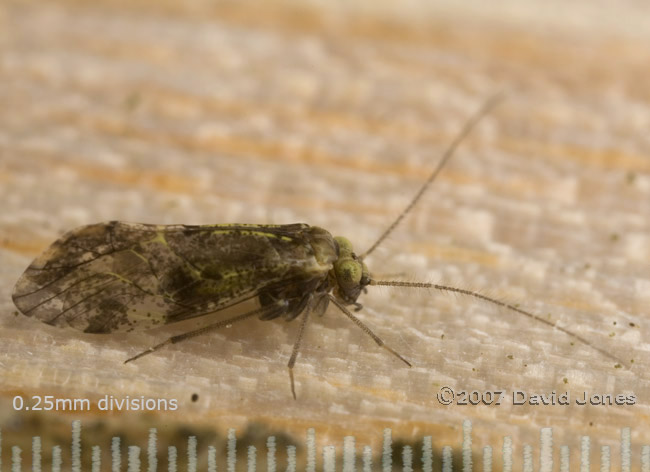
[(206, 329), (552, 324), (469, 126), (449, 152)]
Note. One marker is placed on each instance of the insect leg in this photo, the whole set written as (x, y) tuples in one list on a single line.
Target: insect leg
[(296, 347), (366, 330), (280, 307)]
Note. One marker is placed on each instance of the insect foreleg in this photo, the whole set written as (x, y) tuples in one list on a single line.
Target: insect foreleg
[(276, 309), (366, 330)]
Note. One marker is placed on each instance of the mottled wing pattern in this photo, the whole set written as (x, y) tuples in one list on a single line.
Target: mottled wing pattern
[(112, 277)]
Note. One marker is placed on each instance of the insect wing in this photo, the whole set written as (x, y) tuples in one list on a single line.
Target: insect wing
[(113, 277)]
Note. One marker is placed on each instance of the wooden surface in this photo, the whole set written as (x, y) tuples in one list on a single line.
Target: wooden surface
[(331, 115)]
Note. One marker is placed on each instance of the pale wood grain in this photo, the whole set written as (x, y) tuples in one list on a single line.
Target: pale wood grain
[(242, 112)]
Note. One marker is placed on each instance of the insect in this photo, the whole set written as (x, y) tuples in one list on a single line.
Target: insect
[(119, 277)]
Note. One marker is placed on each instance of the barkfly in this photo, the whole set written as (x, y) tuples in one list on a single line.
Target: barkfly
[(119, 277)]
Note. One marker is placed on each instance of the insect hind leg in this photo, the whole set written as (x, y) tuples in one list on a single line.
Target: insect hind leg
[(270, 310)]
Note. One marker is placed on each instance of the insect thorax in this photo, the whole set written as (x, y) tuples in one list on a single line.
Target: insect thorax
[(348, 275)]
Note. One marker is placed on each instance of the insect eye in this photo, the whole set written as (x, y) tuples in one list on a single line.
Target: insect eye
[(349, 273)]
